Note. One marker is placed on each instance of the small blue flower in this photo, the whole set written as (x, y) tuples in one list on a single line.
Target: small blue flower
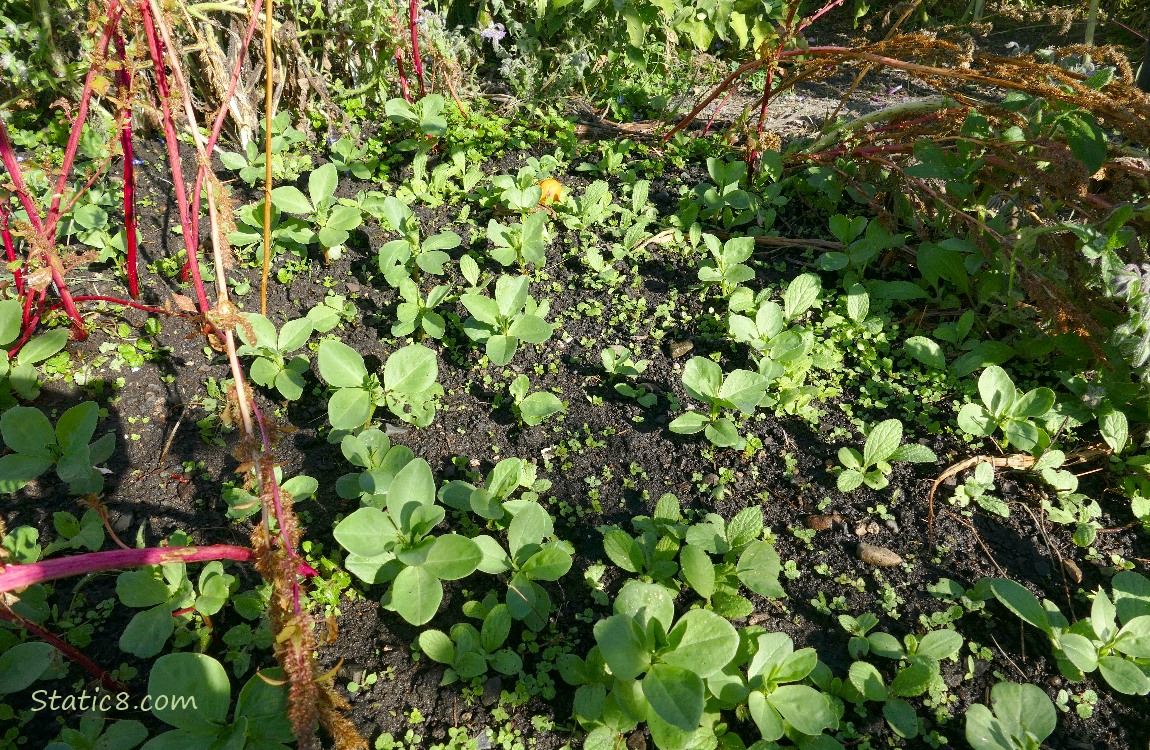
[(495, 32)]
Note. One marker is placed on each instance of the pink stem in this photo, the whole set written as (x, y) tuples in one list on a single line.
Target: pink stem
[(125, 303), (714, 114), (190, 229), (402, 75), (65, 648), (416, 61), (10, 249), (98, 54), (8, 156), (124, 76), (277, 501), (16, 577)]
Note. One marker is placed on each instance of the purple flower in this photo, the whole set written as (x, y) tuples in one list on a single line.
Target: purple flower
[(495, 32)]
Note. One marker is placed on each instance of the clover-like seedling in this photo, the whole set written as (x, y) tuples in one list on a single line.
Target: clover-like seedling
[(873, 465), (1004, 408), (19, 374), (272, 367), (468, 651), (726, 265), (512, 316), (395, 545), (286, 165), (417, 312), (371, 451), (408, 388), (1020, 717), (37, 446), (619, 362), (532, 408), (738, 390), (331, 220), (523, 244), (191, 693)]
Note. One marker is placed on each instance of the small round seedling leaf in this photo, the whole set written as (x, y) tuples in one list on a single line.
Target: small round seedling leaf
[(340, 365), (416, 594), (196, 688), (367, 532), (698, 570), (548, 564), (290, 200), (453, 557), (26, 430), (882, 442), (437, 646), (804, 708), (702, 378), (410, 370), (1124, 675), (927, 351)]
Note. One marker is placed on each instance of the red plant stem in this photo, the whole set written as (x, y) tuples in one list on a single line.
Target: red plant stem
[(416, 61), (720, 88), (19, 577), (98, 54), (125, 303), (218, 124), (715, 113), (277, 502), (16, 577), (10, 249), (8, 156), (124, 77), (67, 649), (186, 223), (402, 75)]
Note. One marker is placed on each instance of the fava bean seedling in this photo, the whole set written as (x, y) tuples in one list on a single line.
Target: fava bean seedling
[(647, 374)]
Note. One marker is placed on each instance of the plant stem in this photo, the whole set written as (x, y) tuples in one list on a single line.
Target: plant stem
[(124, 77), (16, 577), (65, 648), (189, 228), (269, 105), (416, 61)]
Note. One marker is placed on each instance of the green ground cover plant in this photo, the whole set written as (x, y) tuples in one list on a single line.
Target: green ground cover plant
[(597, 424)]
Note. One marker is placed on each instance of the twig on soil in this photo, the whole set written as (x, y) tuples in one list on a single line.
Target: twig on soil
[(171, 436), (1016, 461)]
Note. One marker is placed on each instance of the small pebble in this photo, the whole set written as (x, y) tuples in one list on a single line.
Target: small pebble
[(637, 740), (823, 521), (892, 525), (711, 479), (491, 691), (122, 523), (680, 348), (880, 557)]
